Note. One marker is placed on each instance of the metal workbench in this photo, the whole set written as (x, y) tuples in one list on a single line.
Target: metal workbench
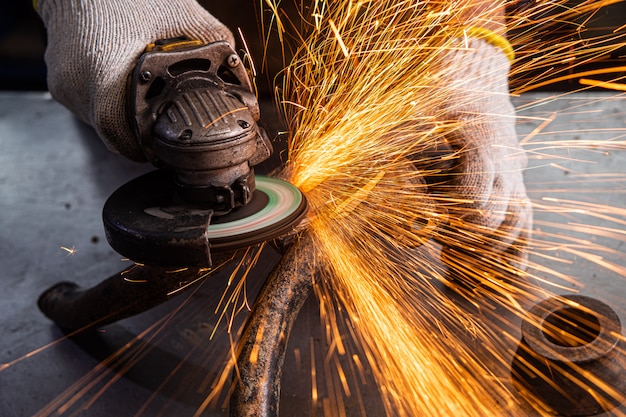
[(54, 178)]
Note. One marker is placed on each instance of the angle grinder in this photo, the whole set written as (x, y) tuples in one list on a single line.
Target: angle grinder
[(196, 118)]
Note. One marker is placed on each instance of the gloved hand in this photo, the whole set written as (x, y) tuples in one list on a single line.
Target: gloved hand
[(490, 217), (94, 45)]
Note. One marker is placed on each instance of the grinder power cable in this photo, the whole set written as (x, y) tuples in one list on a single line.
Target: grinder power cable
[(196, 118)]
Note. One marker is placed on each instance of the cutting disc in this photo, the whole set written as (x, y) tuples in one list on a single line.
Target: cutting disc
[(146, 221), (271, 213)]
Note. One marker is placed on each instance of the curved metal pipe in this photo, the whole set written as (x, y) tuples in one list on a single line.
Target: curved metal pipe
[(263, 343)]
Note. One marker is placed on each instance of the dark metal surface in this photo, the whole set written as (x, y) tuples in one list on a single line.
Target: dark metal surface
[(571, 357), (55, 176), (55, 200)]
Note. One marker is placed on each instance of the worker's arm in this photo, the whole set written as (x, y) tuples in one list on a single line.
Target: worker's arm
[(94, 45), (490, 214)]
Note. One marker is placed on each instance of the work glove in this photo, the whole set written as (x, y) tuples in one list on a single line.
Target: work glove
[(93, 46), (489, 214)]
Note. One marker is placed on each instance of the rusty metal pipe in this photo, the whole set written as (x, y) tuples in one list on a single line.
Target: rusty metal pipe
[(127, 293), (261, 350)]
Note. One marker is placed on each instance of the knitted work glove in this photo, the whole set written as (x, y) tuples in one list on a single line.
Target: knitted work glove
[(94, 45), (490, 218)]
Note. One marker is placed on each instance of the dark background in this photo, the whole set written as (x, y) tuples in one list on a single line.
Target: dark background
[(22, 44), (23, 38)]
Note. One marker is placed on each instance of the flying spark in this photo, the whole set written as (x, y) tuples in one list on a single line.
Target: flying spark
[(70, 251), (362, 98)]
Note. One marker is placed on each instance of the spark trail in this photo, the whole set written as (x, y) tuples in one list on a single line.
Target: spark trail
[(363, 96)]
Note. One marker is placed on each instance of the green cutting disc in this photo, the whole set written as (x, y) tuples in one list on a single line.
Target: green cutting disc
[(270, 214), (146, 221)]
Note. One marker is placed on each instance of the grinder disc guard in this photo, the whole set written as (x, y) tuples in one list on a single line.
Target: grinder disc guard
[(146, 221)]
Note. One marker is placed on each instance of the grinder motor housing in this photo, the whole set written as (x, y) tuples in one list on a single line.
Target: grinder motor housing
[(196, 116), (194, 111)]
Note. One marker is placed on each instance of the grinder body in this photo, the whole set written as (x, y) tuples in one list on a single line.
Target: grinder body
[(195, 112), (196, 117)]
